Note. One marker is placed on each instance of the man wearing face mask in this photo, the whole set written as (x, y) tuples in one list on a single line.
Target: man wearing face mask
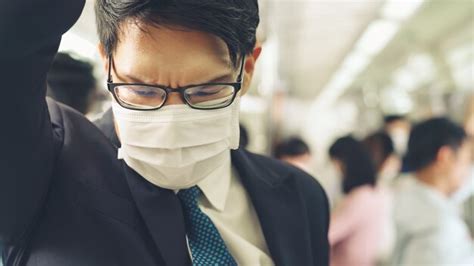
[(177, 191), (398, 128)]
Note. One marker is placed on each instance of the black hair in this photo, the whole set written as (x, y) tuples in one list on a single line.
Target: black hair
[(71, 82), (428, 137), (234, 21), (380, 147), (292, 146), (358, 168), (392, 118)]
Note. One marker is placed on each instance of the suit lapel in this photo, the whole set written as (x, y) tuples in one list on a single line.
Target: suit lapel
[(161, 211), (280, 211)]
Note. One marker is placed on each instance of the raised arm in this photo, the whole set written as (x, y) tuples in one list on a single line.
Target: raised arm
[(30, 32)]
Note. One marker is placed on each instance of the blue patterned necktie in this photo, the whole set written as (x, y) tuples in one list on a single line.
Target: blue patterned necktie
[(207, 246)]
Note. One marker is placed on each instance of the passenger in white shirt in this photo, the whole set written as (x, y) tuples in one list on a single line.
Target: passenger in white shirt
[(430, 230)]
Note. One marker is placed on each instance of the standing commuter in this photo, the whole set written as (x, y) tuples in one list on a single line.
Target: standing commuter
[(177, 191)]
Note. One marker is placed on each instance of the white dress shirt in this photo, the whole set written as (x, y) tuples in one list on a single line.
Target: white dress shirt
[(429, 228), (228, 205)]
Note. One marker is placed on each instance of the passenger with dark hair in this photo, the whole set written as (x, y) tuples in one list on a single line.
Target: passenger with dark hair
[(72, 82), (382, 152), (429, 228), (389, 119), (169, 186), (354, 162), (294, 151), (388, 166), (357, 229)]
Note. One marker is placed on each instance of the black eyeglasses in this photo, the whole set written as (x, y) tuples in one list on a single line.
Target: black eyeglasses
[(207, 96)]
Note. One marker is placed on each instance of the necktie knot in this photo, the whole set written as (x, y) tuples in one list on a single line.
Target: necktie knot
[(189, 197), (205, 242)]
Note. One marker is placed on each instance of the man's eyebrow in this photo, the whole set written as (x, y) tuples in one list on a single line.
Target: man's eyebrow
[(133, 78), (222, 78)]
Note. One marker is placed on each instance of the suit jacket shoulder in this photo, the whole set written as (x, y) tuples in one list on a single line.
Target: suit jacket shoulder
[(84, 153), (276, 171), (292, 207)]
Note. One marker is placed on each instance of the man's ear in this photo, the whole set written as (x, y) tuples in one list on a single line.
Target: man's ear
[(445, 155), (249, 68)]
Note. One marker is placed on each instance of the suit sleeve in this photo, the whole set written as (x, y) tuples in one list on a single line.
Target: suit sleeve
[(30, 32), (326, 220), (318, 214)]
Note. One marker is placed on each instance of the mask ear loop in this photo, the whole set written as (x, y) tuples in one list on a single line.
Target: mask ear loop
[(241, 76), (109, 78)]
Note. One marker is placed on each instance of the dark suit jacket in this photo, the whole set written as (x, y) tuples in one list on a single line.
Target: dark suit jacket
[(65, 198)]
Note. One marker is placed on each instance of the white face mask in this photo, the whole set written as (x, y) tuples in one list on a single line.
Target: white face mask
[(176, 146), (400, 140)]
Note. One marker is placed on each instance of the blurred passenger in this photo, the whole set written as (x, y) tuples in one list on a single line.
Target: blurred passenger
[(387, 162), (388, 165), (466, 195), (430, 230), (398, 128), (357, 230), (294, 151), (72, 82)]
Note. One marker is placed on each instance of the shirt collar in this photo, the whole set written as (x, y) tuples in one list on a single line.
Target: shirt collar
[(216, 186)]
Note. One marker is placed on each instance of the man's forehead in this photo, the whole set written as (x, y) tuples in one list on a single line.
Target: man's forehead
[(171, 56), (172, 44)]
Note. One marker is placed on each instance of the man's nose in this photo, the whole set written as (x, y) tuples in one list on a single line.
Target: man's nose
[(174, 98)]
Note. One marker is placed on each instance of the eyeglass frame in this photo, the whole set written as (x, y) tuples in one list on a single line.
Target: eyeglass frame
[(237, 87)]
